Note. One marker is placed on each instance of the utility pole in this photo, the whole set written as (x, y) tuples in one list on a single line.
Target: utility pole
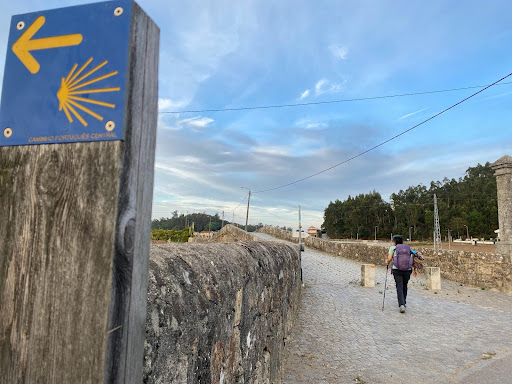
[(247, 216), (300, 233), (467, 229), (437, 227), (222, 225)]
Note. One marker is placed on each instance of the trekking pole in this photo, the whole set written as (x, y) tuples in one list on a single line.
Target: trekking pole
[(385, 283)]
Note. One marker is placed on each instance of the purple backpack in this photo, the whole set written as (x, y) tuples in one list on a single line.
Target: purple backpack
[(403, 258)]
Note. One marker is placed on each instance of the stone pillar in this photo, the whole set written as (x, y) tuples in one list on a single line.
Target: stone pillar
[(368, 275), (433, 275), (503, 171)]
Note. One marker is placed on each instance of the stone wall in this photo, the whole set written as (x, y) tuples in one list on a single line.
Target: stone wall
[(228, 234), (220, 312), (279, 233), (480, 269)]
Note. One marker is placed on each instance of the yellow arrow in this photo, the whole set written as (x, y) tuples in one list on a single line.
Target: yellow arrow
[(25, 44)]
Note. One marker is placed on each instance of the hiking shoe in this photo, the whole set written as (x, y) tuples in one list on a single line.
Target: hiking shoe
[(402, 309)]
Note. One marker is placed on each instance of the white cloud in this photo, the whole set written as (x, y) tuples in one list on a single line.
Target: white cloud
[(324, 86), (310, 125), (196, 41), (264, 213), (413, 113), (164, 104), (315, 126), (319, 85), (189, 159), (193, 174), (198, 121), (304, 94), (338, 51), (283, 215), (195, 203), (169, 127), (273, 151)]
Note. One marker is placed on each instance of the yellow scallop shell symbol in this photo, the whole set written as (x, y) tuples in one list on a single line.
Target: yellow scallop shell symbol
[(72, 86)]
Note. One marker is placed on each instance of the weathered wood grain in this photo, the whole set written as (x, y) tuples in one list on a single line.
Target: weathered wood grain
[(130, 273), (57, 207), (74, 244)]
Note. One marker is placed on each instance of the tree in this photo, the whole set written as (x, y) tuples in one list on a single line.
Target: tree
[(359, 215), (471, 200), (458, 224)]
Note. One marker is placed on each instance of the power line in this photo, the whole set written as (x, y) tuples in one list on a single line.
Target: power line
[(256, 208), (332, 101), (386, 141), (241, 202)]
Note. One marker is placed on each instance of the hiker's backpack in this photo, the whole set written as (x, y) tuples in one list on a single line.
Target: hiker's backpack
[(403, 258)]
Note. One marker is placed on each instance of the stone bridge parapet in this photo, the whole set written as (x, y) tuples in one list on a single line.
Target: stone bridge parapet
[(220, 312), (228, 234)]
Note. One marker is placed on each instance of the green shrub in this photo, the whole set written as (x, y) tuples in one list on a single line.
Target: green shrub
[(174, 235)]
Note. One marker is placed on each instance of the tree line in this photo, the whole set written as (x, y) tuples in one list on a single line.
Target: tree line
[(467, 205), (201, 221)]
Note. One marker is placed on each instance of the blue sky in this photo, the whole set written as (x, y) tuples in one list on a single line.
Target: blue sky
[(224, 54)]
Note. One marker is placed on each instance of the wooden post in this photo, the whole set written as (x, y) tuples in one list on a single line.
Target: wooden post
[(74, 243)]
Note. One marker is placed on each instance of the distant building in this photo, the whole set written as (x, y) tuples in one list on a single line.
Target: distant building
[(313, 231), (205, 234)]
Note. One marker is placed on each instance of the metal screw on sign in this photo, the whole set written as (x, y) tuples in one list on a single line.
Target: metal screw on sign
[(7, 132), (118, 11), (110, 126), (20, 25)]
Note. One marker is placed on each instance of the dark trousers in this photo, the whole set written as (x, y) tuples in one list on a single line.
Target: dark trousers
[(401, 280)]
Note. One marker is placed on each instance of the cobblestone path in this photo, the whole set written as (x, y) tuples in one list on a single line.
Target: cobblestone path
[(342, 335)]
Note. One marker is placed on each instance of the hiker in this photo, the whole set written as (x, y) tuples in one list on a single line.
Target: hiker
[(401, 269)]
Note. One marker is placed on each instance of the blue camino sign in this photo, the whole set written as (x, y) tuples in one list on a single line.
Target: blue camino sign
[(66, 74)]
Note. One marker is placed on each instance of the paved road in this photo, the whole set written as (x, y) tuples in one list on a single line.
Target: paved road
[(457, 335)]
